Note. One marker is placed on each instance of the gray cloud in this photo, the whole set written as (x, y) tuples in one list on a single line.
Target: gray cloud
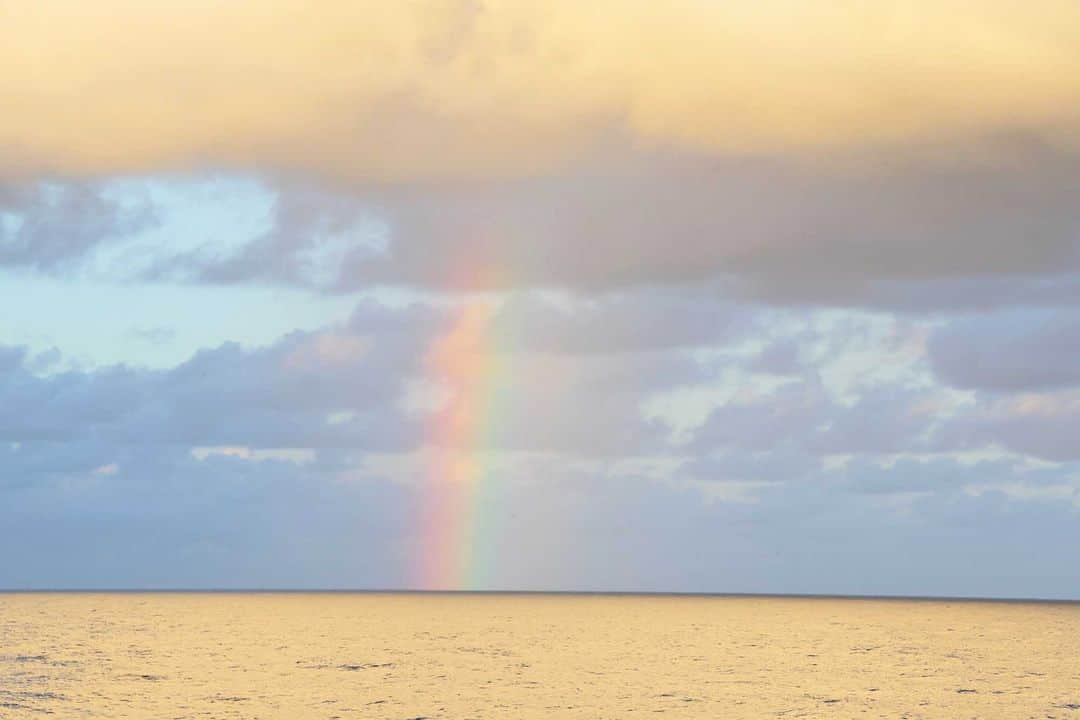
[(772, 229), (639, 228), (865, 474), (1043, 425), (620, 323), (801, 415), (162, 518), (945, 226), (750, 504), (269, 397), (315, 239), (941, 226), (49, 226), (1009, 352), (226, 522), (569, 376), (351, 386), (779, 357)]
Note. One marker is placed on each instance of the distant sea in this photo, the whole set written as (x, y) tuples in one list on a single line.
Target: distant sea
[(459, 656)]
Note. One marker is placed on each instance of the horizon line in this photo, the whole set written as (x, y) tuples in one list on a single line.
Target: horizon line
[(585, 593)]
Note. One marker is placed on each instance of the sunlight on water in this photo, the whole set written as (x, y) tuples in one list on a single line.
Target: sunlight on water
[(530, 656)]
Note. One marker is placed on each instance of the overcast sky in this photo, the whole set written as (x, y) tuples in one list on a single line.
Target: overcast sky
[(779, 296)]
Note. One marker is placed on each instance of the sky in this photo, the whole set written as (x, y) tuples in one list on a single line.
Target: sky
[(692, 296)]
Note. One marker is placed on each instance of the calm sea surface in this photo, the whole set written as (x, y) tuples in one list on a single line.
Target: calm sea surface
[(532, 656)]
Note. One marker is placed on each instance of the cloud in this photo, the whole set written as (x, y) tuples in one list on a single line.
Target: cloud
[(1009, 352), (498, 144), (578, 377), (581, 220), (762, 472), (1043, 425), (254, 467), (773, 229), (943, 228), (441, 88), (277, 396), (804, 416), (164, 519), (50, 226), (233, 523), (619, 323), (371, 384), (908, 475), (314, 239), (779, 357)]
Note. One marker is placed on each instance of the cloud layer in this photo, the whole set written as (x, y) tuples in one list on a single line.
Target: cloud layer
[(767, 296), (467, 88), (828, 453)]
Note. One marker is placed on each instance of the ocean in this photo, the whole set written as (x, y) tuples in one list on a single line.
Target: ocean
[(459, 656)]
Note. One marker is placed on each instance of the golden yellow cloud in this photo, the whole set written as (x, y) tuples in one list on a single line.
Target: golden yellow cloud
[(422, 89)]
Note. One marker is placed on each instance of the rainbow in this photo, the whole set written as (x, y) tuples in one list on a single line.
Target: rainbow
[(457, 547)]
